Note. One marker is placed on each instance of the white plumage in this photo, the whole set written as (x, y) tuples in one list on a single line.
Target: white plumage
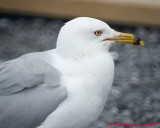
[(87, 73), (62, 88)]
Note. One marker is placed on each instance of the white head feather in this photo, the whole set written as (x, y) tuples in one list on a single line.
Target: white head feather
[(78, 35)]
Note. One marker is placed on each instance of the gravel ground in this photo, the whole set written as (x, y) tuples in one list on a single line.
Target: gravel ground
[(135, 94)]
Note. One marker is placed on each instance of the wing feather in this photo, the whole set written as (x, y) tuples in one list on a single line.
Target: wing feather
[(29, 91), (26, 72)]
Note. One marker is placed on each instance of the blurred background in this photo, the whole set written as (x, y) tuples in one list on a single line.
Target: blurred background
[(31, 26)]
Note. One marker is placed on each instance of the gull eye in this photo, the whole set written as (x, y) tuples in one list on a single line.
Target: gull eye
[(98, 32)]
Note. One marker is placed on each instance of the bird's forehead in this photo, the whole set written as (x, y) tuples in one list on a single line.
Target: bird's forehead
[(86, 23)]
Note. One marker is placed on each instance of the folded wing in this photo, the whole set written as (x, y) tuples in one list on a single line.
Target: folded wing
[(29, 91)]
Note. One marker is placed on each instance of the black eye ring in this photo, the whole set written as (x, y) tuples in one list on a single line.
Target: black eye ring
[(98, 32)]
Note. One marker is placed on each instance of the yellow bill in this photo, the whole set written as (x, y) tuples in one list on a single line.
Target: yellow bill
[(126, 39)]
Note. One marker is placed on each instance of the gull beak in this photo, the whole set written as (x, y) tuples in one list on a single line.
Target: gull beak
[(125, 38)]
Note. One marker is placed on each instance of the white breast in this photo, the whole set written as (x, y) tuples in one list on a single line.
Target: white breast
[(88, 81)]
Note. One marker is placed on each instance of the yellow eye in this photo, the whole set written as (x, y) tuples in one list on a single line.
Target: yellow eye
[(98, 32)]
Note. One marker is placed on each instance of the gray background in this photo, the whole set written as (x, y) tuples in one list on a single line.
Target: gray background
[(135, 94)]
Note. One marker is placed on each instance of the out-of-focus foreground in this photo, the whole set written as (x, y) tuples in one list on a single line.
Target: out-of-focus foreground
[(131, 12)]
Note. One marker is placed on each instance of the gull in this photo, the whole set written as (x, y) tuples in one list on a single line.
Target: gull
[(65, 87)]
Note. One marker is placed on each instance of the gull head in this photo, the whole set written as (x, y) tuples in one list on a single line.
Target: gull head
[(86, 35)]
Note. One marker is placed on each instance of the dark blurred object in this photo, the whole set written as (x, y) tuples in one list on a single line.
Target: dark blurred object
[(142, 12)]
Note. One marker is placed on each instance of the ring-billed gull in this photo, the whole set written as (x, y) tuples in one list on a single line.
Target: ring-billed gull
[(65, 87)]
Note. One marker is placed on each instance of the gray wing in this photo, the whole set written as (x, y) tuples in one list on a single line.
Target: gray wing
[(29, 91), (26, 72)]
